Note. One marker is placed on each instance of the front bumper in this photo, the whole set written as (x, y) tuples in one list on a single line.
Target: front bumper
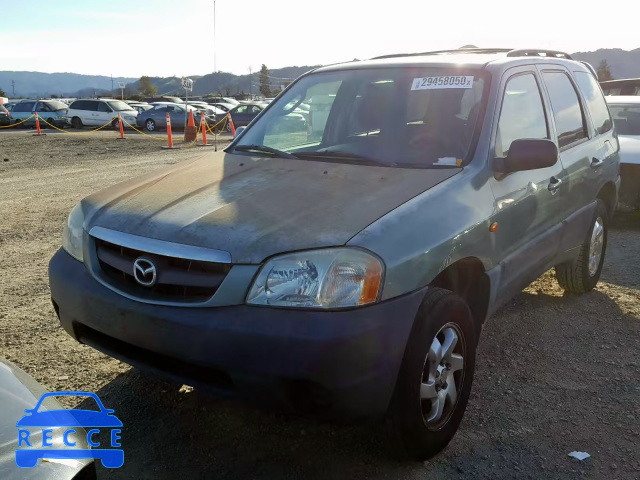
[(340, 363)]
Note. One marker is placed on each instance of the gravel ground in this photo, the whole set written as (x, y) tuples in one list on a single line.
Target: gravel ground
[(554, 373)]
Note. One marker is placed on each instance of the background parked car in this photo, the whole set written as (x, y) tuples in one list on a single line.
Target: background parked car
[(96, 112), (164, 98), (625, 111), (243, 114), (5, 117), (156, 118), (226, 107), (295, 121), (225, 100), (141, 107), (9, 106), (52, 111)]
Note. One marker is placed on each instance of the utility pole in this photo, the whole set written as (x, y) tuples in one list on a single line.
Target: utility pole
[(215, 70), (112, 84), (250, 85), (13, 86)]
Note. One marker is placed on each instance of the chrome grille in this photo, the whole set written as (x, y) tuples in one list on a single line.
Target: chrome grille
[(178, 279)]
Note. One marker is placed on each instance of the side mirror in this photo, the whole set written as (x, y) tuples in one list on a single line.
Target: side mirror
[(527, 154), (239, 130)]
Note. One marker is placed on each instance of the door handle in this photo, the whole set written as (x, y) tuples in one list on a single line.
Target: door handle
[(596, 163), (554, 185)]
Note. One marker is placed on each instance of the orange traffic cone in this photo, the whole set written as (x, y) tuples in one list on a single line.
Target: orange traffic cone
[(233, 129), (169, 137), (203, 128), (190, 131), (39, 134), (122, 137)]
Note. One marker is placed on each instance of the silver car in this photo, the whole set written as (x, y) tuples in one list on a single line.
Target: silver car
[(625, 111), (156, 117)]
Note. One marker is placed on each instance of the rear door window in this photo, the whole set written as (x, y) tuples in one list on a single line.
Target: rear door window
[(24, 106), (567, 111), (595, 101), (43, 107), (104, 108), (522, 114)]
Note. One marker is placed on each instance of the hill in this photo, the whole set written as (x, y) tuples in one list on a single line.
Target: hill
[(623, 63), (34, 84)]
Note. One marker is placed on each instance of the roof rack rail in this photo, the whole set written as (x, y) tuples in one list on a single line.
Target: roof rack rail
[(443, 52), (535, 52)]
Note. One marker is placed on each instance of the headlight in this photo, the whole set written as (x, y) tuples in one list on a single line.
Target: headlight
[(329, 278), (72, 234)]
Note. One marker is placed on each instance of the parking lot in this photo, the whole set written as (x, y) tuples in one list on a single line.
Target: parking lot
[(554, 373)]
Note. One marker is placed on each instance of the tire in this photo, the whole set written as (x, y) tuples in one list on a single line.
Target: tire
[(228, 127), (418, 391), (76, 123), (50, 122), (115, 124), (150, 125), (581, 274)]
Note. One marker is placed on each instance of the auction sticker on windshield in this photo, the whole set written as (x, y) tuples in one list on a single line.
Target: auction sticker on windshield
[(434, 83)]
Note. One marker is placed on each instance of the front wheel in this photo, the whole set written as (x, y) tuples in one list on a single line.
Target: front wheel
[(581, 274), (115, 124), (76, 123), (434, 382), (150, 125)]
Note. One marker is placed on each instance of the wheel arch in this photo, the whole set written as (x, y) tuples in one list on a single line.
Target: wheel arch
[(609, 196), (468, 278)]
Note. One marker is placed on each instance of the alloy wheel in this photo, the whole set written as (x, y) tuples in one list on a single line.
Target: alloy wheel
[(442, 376), (595, 246)]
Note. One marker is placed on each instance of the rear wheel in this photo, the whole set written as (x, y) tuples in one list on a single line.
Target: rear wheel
[(76, 123), (435, 379), (581, 274), (150, 125)]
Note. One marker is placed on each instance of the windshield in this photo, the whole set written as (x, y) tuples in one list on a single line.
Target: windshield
[(411, 116), (119, 106), (626, 119)]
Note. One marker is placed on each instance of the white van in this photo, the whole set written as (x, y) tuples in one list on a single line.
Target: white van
[(97, 112)]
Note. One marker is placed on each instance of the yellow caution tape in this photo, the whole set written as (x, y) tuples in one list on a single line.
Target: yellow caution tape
[(141, 132), (18, 123)]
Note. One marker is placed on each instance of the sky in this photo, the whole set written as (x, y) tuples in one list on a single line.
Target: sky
[(130, 38)]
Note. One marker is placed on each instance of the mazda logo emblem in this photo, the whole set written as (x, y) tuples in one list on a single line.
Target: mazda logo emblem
[(144, 271)]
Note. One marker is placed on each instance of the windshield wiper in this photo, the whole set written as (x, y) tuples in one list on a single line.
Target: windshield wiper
[(263, 149), (337, 156)]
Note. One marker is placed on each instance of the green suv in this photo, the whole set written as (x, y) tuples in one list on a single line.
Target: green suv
[(345, 265)]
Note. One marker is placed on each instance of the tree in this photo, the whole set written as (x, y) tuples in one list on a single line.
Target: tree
[(604, 71), (146, 87), (53, 95), (2, 94), (265, 85)]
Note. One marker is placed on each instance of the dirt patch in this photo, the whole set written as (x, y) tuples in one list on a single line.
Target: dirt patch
[(555, 373)]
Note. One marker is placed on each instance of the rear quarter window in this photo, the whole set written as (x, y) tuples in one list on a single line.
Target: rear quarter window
[(595, 101)]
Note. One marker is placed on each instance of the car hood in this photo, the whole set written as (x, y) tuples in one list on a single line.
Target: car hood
[(629, 149), (255, 207)]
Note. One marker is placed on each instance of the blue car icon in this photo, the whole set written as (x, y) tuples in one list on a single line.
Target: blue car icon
[(70, 418)]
